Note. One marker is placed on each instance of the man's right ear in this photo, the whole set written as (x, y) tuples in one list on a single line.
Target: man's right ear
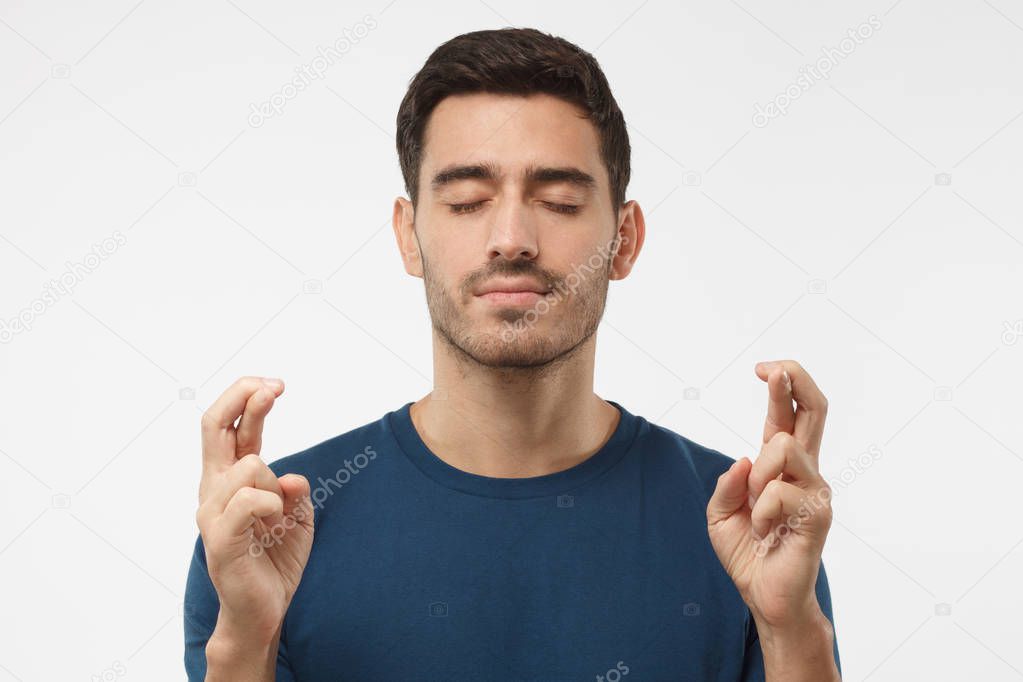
[(403, 222)]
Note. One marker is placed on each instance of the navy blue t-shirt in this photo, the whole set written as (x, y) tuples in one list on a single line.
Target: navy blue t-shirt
[(421, 571)]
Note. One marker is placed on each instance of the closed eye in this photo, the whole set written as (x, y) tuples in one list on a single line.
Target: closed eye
[(459, 209), (562, 208), (465, 208)]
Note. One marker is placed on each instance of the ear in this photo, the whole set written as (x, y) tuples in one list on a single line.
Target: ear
[(631, 232), (403, 223)]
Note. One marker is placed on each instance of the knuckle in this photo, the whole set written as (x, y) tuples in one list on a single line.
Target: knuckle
[(782, 440), (246, 497), (826, 489), (826, 512), (794, 449), (250, 467), (250, 384), (250, 463), (208, 421)]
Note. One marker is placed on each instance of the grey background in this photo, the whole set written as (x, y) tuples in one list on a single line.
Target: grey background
[(873, 233)]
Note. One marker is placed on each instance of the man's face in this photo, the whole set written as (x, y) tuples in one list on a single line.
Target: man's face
[(515, 227)]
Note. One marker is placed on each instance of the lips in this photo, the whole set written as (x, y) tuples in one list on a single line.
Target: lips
[(515, 291), (513, 298), (519, 285)]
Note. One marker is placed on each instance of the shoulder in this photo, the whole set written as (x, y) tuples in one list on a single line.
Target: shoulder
[(327, 456), (680, 456)]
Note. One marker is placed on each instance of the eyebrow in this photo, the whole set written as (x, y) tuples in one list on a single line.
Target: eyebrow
[(532, 175)]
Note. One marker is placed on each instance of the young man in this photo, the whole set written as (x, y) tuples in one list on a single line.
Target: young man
[(511, 524)]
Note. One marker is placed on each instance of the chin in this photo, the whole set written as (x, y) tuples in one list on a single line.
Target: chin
[(529, 349), (510, 338)]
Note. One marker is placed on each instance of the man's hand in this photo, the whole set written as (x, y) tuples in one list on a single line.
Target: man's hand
[(257, 530), (768, 521)]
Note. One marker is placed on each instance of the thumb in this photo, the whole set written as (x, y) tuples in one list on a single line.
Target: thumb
[(297, 502), (731, 492)]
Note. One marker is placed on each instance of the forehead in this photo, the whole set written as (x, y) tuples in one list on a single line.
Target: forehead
[(515, 132)]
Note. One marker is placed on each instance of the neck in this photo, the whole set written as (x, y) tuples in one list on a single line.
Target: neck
[(513, 422)]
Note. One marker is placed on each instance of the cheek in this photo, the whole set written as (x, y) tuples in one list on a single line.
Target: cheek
[(452, 249), (447, 271), (589, 262)]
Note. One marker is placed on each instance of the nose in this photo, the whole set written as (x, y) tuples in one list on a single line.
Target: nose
[(513, 233)]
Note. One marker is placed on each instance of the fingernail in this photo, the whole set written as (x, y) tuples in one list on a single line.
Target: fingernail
[(272, 382), (751, 500), (788, 381)]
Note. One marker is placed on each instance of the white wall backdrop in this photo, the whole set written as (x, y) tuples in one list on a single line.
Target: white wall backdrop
[(159, 239)]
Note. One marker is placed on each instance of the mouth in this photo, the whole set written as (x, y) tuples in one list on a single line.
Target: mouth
[(514, 298), (512, 292)]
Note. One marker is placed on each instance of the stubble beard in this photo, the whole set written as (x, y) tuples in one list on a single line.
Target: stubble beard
[(514, 343)]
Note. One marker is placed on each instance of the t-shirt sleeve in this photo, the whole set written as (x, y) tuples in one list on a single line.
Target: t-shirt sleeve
[(200, 617), (753, 665)]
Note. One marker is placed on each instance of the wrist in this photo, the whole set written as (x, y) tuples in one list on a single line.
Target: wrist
[(784, 618), (800, 648), (234, 652), (811, 625), (237, 627)]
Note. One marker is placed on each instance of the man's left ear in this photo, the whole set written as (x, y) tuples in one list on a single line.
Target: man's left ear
[(631, 232)]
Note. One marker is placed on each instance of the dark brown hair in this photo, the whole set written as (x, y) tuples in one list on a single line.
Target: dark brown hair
[(517, 61)]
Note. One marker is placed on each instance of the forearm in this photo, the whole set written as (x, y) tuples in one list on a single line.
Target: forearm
[(234, 655), (803, 651)]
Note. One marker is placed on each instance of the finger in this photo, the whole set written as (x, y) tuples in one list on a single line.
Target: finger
[(782, 455), (730, 493), (780, 414), (247, 505), (811, 405), (248, 472), (250, 427), (297, 502), (785, 503), (218, 432)]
